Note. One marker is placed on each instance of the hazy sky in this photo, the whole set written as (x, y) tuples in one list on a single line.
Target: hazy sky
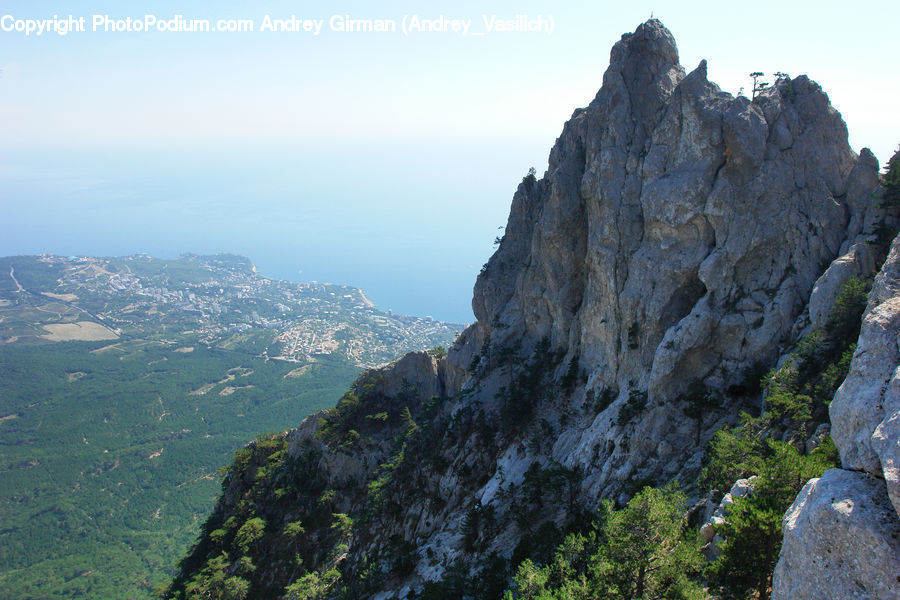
[(411, 143)]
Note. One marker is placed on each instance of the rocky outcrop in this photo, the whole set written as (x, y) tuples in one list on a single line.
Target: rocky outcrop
[(675, 238), (841, 540), (865, 413), (842, 534), (740, 489)]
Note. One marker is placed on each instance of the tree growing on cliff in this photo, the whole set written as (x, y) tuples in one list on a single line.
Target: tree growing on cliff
[(758, 85), (215, 582), (753, 532), (698, 401), (891, 180), (640, 551), (648, 553)]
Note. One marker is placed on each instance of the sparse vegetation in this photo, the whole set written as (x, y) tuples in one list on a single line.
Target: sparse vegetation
[(634, 406), (891, 180)]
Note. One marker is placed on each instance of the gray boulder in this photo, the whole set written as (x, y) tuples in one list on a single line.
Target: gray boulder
[(841, 541)]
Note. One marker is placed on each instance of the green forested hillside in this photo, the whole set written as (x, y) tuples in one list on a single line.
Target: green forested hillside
[(125, 383), (108, 454)]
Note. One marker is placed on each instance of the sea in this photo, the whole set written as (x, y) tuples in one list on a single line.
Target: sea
[(409, 222)]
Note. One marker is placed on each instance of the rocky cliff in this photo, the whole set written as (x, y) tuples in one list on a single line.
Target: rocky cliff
[(675, 238), (680, 238)]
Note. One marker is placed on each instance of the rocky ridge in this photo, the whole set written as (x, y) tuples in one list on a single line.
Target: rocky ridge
[(680, 236), (676, 237)]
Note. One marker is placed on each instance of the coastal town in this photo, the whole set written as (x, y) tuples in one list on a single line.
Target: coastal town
[(218, 301)]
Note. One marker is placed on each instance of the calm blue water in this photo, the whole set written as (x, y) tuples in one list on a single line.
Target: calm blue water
[(410, 224)]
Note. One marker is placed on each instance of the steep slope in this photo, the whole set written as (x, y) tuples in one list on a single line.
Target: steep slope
[(674, 242)]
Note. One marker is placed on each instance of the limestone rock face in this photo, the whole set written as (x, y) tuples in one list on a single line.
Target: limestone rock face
[(676, 237), (416, 370), (841, 540), (858, 261), (865, 413), (842, 534)]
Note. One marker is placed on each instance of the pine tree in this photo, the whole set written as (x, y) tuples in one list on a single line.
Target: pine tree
[(891, 180), (753, 531), (647, 553), (638, 552)]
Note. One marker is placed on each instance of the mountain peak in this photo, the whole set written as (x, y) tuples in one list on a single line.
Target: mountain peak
[(650, 41), (646, 64)]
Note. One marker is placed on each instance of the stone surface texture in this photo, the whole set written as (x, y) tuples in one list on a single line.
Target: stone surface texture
[(842, 534), (865, 413), (841, 541)]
